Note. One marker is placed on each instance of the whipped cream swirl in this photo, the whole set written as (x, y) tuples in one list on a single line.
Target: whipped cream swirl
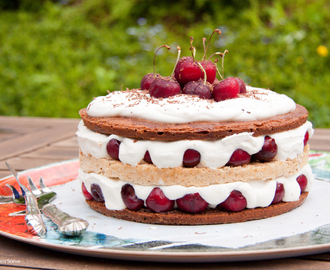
[(257, 104), (214, 154)]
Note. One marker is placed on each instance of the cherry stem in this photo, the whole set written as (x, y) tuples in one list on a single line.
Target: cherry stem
[(177, 59), (204, 40), (216, 66), (222, 62), (154, 62), (208, 43), (192, 48), (216, 61), (216, 53), (203, 69)]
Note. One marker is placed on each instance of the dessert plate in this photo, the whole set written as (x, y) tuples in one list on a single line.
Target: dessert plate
[(303, 231)]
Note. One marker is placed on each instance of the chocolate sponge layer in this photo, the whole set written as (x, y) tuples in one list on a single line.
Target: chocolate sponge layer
[(149, 130)]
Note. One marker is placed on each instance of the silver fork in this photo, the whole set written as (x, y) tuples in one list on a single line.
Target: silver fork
[(33, 219), (44, 195), (66, 224)]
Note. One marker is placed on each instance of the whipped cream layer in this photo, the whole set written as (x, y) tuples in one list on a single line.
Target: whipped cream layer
[(214, 154), (257, 104), (258, 193)]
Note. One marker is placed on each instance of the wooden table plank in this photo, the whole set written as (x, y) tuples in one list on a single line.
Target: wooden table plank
[(320, 140), (41, 132)]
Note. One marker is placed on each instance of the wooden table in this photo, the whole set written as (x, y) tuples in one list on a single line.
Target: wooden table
[(30, 142)]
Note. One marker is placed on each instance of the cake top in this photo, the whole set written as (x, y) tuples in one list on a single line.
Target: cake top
[(255, 104)]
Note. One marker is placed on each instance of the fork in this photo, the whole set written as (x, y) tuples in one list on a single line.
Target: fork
[(33, 219), (44, 195), (66, 224)]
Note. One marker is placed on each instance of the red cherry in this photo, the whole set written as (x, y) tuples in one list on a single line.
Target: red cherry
[(97, 193), (242, 86), (239, 157), (209, 66), (198, 88), (306, 138), (235, 202), (210, 69), (187, 70), (150, 77), (129, 198), (302, 181), (268, 150), (158, 202), (191, 158), (85, 192), (226, 89), (147, 80), (147, 157), (164, 87), (279, 193), (113, 148), (192, 203)]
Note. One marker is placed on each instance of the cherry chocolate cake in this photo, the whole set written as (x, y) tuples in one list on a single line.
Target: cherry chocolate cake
[(189, 149)]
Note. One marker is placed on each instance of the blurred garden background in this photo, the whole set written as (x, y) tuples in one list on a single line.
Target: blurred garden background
[(55, 56)]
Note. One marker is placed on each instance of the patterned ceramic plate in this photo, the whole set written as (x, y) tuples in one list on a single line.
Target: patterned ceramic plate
[(305, 230)]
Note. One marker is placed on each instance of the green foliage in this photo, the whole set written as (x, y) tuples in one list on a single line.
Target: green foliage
[(55, 58)]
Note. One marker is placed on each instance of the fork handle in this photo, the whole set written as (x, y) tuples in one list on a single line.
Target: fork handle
[(66, 224), (56, 215), (33, 219)]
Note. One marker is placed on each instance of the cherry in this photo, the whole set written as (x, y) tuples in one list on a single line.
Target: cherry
[(129, 198), (113, 148), (302, 181), (147, 80), (239, 157), (306, 138), (150, 77), (147, 157), (235, 202), (198, 88), (268, 150), (164, 87), (97, 193), (187, 70), (158, 202), (192, 203), (85, 192), (226, 89), (242, 86), (210, 69), (191, 158), (279, 193), (201, 88)]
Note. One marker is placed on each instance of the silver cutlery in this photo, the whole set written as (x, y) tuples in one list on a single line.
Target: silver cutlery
[(66, 224), (33, 219), (36, 199)]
